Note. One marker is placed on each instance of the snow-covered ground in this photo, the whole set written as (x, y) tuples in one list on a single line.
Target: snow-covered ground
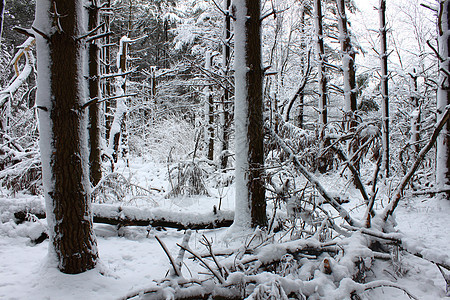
[(132, 259)]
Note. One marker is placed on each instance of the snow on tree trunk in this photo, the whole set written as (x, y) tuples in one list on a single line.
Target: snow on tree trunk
[(348, 65), (2, 10), (226, 116), (209, 111), (95, 162), (61, 95), (117, 134), (415, 116), (321, 70), (384, 87), (107, 87), (443, 96), (250, 192)]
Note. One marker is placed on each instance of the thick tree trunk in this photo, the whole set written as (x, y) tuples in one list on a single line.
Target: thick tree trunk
[(348, 65), (63, 139), (250, 191), (443, 97), (95, 162), (321, 58), (226, 105), (384, 87)]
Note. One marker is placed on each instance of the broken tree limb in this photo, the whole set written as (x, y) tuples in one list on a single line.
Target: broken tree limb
[(130, 216), (343, 213), (405, 180)]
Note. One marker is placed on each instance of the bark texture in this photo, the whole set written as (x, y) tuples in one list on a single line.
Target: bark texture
[(384, 86), (95, 162), (62, 93), (226, 105), (443, 96), (250, 92)]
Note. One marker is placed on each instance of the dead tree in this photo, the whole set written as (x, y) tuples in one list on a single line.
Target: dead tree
[(384, 87), (250, 191), (61, 96), (443, 96)]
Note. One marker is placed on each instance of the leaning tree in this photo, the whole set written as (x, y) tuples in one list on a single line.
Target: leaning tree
[(61, 97)]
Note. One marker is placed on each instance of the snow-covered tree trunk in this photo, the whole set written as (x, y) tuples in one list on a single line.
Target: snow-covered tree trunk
[(95, 162), (384, 87), (209, 111), (2, 10), (61, 95), (415, 117), (321, 58), (226, 105), (348, 65), (250, 192), (443, 96), (107, 87), (117, 134)]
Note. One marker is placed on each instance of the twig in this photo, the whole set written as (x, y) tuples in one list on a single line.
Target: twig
[(175, 267), (201, 260)]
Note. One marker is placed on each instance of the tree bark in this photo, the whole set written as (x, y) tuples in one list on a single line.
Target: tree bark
[(250, 190), (209, 112), (443, 97), (348, 65), (321, 59), (384, 87), (2, 10), (95, 162), (226, 105), (63, 139)]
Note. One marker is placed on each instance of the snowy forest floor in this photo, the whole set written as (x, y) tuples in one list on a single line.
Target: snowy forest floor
[(132, 259)]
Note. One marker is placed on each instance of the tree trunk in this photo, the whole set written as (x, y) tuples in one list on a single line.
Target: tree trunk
[(2, 10), (107, 88), (63, 139), (348, 66), (415, 121), (226, 105), (250, 191), (95, 162), (321, 58), (384, 87), (443, 97), (209, 112), (117, 135)]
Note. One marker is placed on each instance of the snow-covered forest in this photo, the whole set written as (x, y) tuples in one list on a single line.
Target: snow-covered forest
[(224, 149)]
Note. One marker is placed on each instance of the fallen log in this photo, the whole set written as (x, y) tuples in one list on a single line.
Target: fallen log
[(130, 216)]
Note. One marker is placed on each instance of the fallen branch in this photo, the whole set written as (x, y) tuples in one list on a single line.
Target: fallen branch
[(405, 180), (330, 200)]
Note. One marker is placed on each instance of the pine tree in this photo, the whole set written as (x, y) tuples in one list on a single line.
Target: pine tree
[(61, 97), (250, 190)]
